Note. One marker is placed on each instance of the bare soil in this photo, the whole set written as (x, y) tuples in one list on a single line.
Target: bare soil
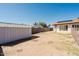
[(43, 44)]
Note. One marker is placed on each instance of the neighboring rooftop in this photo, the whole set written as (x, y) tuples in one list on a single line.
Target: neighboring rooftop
[(64, 21), (67, 22)]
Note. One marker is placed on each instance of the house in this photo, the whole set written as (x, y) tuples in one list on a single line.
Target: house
[(66, 26), (10, 32)]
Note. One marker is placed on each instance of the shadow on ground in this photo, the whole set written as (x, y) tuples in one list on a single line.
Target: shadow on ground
[(1, 51), (19, 41)]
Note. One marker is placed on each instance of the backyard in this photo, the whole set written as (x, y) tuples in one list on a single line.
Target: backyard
[(43, 44)]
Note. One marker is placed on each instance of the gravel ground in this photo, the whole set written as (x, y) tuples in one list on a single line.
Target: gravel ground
[(43, 44)]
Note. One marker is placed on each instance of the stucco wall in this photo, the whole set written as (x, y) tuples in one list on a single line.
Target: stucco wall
[(8, 34), (66, 32)]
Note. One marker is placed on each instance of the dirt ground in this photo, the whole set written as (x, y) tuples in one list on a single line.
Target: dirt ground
[(43, 44)]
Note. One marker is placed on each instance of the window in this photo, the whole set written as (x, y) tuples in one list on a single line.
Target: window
[(72, 26), (63, 27), (66, 27), (76, 27)]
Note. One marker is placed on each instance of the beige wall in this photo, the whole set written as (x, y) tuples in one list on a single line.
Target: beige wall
[(8, 34), (67, 32)]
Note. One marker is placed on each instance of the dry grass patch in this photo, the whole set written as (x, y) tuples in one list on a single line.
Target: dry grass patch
[(69, 44)]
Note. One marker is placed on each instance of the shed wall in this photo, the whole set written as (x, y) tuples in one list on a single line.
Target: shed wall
[(8, 34)]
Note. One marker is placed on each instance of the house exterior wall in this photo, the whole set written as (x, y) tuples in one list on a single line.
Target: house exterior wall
[(69, 28), (8, 34), (62, 31)]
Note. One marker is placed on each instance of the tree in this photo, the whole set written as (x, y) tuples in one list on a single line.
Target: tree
[(35, 23), (43, 24), (49, 25)]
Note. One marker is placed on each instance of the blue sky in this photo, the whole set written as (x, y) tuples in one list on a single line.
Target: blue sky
[(30, 13)]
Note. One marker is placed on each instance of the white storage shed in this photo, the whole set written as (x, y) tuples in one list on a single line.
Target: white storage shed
[(11, 32)]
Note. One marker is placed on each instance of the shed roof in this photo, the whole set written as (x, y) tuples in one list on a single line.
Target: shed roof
[(4, 24)]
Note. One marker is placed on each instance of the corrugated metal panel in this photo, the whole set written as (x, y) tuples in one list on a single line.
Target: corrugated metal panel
[(8, 34)]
